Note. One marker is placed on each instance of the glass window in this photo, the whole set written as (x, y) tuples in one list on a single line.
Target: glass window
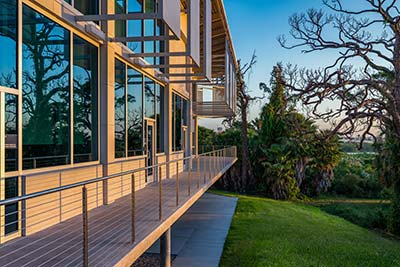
[(149, 46), (46, 92), (11, 210), (8, 43), (120, 131), (150, 6), (160, 117), (185, 112), (11, 134), (135, 6), (87, 7), (177, 123), (135, 30), (149, 98), (135, 113), (120, 25), (85, 101)]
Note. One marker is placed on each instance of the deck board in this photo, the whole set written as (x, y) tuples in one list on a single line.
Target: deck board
[(109, 227)]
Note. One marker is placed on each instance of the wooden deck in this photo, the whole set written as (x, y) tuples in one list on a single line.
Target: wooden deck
[(110, 227)]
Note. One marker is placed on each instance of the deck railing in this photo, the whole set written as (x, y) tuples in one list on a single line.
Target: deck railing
[(190, 172)]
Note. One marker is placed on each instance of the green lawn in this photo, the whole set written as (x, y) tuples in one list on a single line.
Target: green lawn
[(369, 213), (265, 233)]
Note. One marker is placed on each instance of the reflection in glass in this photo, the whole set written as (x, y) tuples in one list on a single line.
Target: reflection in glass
[(135, 113), (160, 117), (119, 131), (85, 101), (149, 98), (8, 43), (46, 97), (177, 123), (149, 46), (11, 136), (87, 7), (11, 211), (150, 6), (135, 6), (120, 25), (135, 30)]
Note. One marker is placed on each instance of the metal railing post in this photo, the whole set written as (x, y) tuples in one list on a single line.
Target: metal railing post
[(205, 169), (214, 163), (23, 206), (209, 166), (160, 198), (198, 172), (177, 183), (85, 227), (189, 175), (133, 209)]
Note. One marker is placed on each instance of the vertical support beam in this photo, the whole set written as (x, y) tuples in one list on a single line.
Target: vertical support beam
[(85, 220), (106, 96), (2, 162), (165, 249), (20, 84), (133, 208)]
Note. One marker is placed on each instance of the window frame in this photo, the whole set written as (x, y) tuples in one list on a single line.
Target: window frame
[(145, 75), (18, 91)]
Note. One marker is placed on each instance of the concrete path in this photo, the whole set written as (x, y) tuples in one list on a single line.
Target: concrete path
[(198, 237)]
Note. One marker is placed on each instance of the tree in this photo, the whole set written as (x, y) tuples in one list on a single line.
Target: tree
[(288, 144), (244, 101), (367, 97)]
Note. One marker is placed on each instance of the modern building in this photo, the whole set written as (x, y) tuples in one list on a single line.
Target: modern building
[(99, 107)]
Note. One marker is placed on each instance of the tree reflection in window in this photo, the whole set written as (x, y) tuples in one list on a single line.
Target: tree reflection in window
[(135, 113), (160, 117), (8, 43), (85, 101), (46, 91), (119, 106), (149, 98), (11, 142)]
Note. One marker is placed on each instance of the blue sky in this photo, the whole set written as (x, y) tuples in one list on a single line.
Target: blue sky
[(255, 26)]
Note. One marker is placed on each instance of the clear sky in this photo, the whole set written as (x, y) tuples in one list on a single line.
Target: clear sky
[(255, 26)]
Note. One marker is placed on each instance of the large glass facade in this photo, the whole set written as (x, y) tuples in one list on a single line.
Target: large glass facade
[(46, 91), (135, 113), (85, 101), (119, 105), (11, 134), (8, 43), (128, 111), (149, 98)]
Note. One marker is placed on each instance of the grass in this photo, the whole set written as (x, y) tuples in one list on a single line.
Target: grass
[(370, 214), (266, 233)]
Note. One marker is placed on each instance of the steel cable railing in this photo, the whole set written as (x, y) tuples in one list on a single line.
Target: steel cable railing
[(81, 239)]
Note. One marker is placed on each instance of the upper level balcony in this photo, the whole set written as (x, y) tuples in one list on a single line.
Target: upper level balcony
[(107, 221), (217, 98)]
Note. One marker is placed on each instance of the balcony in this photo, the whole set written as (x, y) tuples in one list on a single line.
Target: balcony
[(115, 234)]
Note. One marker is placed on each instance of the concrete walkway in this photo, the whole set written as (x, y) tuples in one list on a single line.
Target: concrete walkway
[(198, 237)]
